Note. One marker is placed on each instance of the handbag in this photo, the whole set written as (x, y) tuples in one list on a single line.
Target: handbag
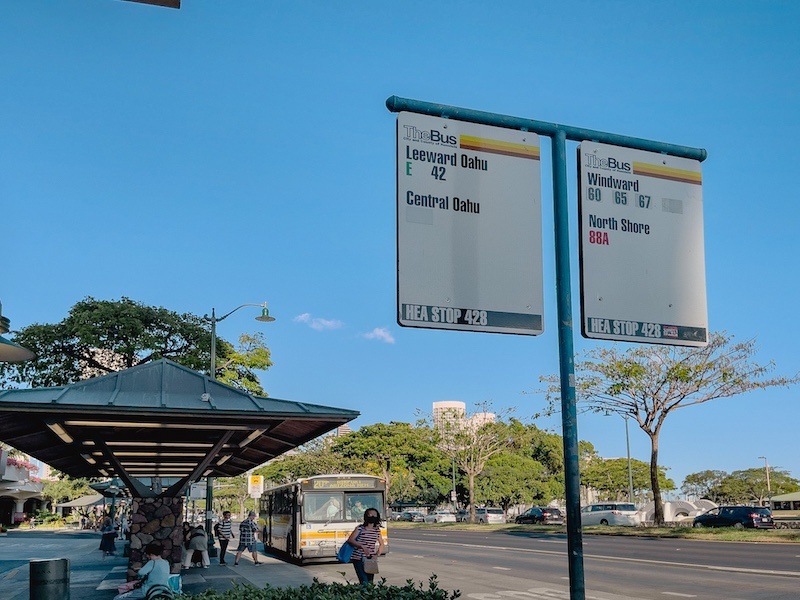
[(371, 566), (345, 552), (129, 586)]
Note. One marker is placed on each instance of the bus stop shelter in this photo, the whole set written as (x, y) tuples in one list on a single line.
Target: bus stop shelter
[(157, 427)]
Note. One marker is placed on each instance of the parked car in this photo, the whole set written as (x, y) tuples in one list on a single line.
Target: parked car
[(756, 517), (610, 513), (440, 516), (394, 515), (412, 516), (489, 515), (543, 515), (462, 515)]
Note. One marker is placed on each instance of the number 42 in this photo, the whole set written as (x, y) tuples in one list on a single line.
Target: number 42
[(438, 173)]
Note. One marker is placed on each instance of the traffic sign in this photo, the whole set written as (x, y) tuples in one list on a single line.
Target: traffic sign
[(469, 223), (198, 490), (255, 485), (641, 246)]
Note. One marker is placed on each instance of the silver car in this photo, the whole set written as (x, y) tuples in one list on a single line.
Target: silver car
[(440, 516), (610, 513)]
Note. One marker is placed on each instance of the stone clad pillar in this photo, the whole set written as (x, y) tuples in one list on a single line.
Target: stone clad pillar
[(156, 520)]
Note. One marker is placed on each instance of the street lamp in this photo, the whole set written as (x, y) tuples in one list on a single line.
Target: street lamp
[(9, 351), (769, 489), (264, 317)]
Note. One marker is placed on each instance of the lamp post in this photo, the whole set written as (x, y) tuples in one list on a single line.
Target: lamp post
[(769, 488), (264, 317), (454, 497), (630, 471)]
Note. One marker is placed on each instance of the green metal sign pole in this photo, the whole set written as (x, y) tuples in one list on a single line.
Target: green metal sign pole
[(558, 134)]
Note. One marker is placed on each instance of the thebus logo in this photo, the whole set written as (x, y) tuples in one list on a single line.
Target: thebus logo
[(432, 135), (609, 164)]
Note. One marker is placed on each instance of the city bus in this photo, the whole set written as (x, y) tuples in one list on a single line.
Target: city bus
[(311, 518)]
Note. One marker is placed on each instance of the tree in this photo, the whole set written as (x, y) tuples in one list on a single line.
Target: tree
[(387, 451), (238, 364), (102, 336), (233, 495), (510, 479), (472, 441), (314, 458), (749, 486), (610, 477), (65, 489), (647, 383), (704, 485)]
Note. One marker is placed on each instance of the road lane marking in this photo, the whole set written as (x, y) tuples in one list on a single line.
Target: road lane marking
[(643, 561), (680, 595), (502, 568)]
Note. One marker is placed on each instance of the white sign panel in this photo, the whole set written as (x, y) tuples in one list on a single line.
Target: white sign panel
[(641, 246), (469, 223), (198, 490)]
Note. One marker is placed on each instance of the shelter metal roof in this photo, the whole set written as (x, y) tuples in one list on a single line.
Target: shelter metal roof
[(158, 420)]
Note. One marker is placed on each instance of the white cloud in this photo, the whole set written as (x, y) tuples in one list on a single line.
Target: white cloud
[(317, 323), (380, 333)]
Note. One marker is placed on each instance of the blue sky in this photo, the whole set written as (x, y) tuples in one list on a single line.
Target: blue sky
[(237, 152)]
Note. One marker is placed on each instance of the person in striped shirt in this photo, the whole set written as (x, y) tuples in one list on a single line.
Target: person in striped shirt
[(224, 531), (368, 543)]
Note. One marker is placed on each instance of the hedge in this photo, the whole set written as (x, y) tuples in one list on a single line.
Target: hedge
[(333, 591)]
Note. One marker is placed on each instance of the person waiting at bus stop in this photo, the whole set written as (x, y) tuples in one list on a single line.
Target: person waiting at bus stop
[(364, 539), (198, 542), (248, 531)]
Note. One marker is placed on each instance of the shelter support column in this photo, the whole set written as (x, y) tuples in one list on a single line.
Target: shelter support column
[(156, 520)]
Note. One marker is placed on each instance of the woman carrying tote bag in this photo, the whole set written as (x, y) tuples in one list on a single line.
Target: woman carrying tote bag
[(367, 542)]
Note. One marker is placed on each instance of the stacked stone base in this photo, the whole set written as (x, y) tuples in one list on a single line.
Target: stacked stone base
[(156, 520)]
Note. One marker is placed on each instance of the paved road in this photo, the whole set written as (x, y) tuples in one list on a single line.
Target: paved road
[(620, 567)]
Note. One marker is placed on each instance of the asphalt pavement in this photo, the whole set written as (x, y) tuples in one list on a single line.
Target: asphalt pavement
[(95, 578)]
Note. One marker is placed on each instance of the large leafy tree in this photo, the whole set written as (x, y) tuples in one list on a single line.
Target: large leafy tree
[(313, 458), (749, 486), (393, 451), (705, 485), (648, 383), (610, 477), (509, 479), (102, 336), (65, 489)]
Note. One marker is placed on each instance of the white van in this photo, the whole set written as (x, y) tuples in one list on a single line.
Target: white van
[(610, 513), (489, 515)]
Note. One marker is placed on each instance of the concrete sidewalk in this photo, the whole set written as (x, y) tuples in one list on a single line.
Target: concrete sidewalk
[(93, 578)]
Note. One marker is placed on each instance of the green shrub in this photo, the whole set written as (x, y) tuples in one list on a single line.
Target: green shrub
[(333, 591)]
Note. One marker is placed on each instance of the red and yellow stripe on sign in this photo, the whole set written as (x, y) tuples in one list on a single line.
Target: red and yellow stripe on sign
[(471, 142), (662, 172)]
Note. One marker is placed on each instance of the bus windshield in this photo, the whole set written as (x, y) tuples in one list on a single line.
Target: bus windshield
[(339, 506)]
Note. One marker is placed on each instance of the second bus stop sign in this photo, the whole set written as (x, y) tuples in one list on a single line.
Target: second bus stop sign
[(469, 221), (641, 246)]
